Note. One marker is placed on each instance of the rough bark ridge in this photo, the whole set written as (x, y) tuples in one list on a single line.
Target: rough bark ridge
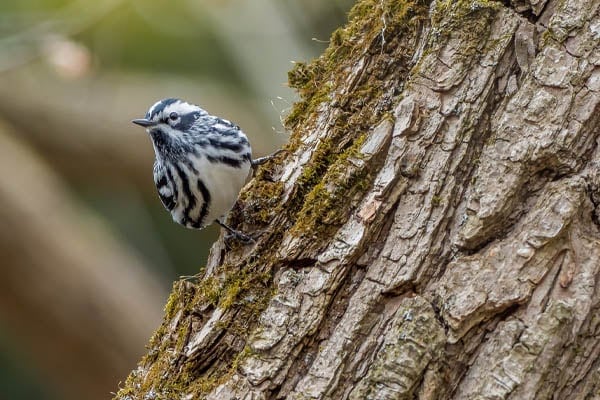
[(432, 232)]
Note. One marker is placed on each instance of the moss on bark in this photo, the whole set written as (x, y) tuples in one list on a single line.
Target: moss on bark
[(386, 32)]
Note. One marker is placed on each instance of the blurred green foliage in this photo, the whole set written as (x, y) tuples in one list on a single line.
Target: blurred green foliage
[(123, 39), (18, 381)]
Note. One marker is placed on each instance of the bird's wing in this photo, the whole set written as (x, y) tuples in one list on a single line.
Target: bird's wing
[(164, 184)]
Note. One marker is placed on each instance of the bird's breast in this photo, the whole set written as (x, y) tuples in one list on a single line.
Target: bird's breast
[(223, 182), (205, 190)]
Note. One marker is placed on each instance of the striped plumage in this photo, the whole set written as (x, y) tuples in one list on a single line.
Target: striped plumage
[(202, 161)]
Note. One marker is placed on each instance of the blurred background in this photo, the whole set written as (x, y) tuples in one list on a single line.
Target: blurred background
[(88, 254)]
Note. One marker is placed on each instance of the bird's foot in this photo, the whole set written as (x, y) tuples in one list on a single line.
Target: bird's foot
[(232, 234), (261, 160), (231, 239), (239, 236)]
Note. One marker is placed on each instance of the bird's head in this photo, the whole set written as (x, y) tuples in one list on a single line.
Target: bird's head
[(169, 116)]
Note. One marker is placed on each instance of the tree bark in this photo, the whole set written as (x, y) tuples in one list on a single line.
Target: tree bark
[(432, 232)]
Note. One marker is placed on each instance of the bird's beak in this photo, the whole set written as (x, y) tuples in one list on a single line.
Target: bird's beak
[(143, 122)]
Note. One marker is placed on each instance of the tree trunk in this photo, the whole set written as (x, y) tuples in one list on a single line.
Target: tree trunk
[(432, 232)]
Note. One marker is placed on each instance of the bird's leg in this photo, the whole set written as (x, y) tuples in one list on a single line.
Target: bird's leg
[(261, 160), (242, 237)]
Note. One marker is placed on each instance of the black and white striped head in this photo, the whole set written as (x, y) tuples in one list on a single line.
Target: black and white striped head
[(171, 115)]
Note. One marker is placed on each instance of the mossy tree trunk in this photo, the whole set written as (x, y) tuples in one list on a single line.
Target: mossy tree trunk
[(432, 231)]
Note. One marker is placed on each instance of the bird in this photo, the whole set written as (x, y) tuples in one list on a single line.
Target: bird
[(201, 163)]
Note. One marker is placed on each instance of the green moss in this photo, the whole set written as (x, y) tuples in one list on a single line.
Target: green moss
[(374, 28), (469, 19), (359, 109), (249, 291), (244, 290), (209, 290), (436, 201), (230, 294), (299, 76), (322, 157), (343, 179), (369, 20), (171, 306), (261, 205), (456, 11)]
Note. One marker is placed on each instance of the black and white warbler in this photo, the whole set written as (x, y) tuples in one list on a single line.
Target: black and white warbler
[(202, 162)]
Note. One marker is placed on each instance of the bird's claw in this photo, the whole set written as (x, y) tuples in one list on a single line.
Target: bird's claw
[(232, 234), (240, 237), (261, 160)]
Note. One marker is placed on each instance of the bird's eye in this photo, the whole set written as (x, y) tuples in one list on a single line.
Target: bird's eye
[(173, 116)]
